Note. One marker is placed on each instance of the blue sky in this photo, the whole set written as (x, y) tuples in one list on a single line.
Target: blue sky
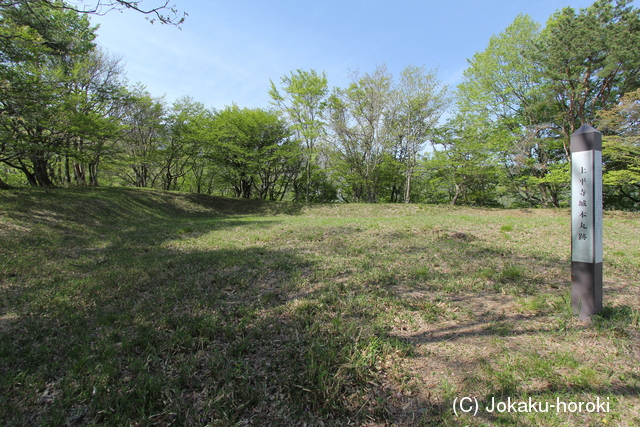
[(226, 51)]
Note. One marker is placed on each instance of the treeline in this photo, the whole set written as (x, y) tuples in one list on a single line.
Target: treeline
[(68, 118)]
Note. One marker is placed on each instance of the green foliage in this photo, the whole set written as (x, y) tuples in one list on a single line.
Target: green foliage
[(379, 127), (185, 128), (164, 13), (531, 89), (303, 105), (589, 59), (58, 97), (463, 164), (144, 135), (420, 101), (621, 152), (67, 117), (500, 83), (322, 188), (360, 136), (504, 90), (255, 151), (39, 31)]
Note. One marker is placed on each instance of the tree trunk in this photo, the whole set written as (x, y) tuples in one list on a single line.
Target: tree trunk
[(407, 187), (4, 185), (168, 179), (93, 172), (457, 195), (40, 170), (141, 173), (80, 174), (246, 188), (306, 196), (67, 170)]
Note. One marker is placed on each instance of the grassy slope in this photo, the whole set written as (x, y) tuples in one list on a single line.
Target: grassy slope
[(134, 307)]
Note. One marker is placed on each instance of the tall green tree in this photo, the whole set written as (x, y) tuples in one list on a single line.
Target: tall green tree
[(95, 106), (420, 100), (621, 152), (501, 83), (361, 136), (379, 127), (182, 142), (144, 127), (460, 165), (505, 91), (254, 152), (589, 59), (303, 103), (37, 75)]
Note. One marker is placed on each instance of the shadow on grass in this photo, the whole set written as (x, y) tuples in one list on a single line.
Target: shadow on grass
[(99, 321), (624, 315), (63, 225), (162, 336)]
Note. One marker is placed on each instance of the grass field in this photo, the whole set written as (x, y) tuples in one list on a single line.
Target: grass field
[(126, 307)]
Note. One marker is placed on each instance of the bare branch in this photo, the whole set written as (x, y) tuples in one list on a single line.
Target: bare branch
[(164, 12)]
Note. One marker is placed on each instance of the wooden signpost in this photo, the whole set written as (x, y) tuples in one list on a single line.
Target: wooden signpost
[(586, 221)]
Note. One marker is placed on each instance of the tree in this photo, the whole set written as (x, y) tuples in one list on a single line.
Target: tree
[(303, 103), (201, 134), (163, 11), (589, 59), (501, 83), (621, 152), (505, 92), (420, 100), (143, 119), (94, 106), (500, 94), (182, 143), (37, 75), (253, 149), (460, 164), (358, 116), (379, 128)]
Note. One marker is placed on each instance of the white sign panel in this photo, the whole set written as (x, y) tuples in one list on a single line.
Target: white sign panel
[(586, 206)]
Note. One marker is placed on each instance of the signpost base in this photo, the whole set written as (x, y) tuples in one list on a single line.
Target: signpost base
[(586, 288)]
